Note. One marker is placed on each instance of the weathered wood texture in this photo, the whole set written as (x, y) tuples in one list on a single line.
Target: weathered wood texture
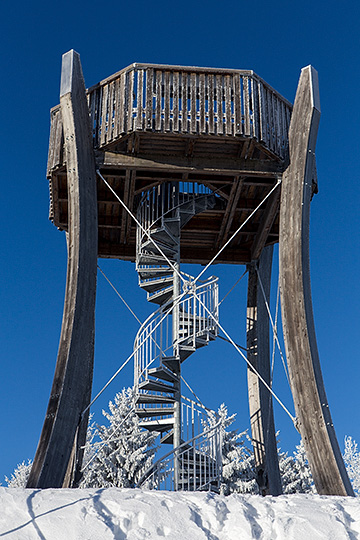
[(260, 399), (183, 100), (71, 388), (311, 406)]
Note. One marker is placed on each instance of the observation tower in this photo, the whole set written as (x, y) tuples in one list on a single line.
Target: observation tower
[(164, 165)]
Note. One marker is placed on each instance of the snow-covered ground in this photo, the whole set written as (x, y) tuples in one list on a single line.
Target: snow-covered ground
[(132, 514)]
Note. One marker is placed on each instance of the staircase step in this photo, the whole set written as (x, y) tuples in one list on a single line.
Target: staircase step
[(172, 224), (163, 373), (156, 386), (168, 438), (171, 362), (163, 234), (153, 272), (161, 297), (185, 351), (154, 411), (154, 285), (155, 248), (165, 424), (149, 258), (153, 399)]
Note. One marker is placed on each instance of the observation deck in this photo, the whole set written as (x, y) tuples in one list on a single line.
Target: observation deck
[(223, 129)]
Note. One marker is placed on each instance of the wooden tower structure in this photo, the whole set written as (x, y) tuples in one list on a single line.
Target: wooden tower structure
[(163, 165)]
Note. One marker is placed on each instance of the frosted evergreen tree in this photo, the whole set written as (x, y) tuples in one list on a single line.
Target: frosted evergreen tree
[(19, 477), (295, 471), (237, 459), (125, 450), (352, 463)]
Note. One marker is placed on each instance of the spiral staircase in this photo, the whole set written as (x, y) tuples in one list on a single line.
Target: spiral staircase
[(185, 321)]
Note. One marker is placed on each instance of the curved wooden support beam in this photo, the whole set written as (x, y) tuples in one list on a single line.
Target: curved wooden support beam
[(260, 399), (311, 406), (64, 425)]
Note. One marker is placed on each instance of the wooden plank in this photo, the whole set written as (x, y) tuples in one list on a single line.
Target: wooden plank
[(219, 105), (184, 102), (139, 98), (158, 96), (124, 213), (122, 103), (167, 101), (237, 106), (104, 112), (228, 101), (255, 104), (176, 120), (130, 205), (71, 389), (149, 111), (117, 106), (211, 81), (202, 108), (130, 101), (193, 127), (260, 399), (312, 410)]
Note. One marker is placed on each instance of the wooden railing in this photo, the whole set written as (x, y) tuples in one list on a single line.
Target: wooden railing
[(185, 100)]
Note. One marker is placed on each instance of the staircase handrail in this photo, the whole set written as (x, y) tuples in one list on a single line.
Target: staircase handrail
[(154, 466)]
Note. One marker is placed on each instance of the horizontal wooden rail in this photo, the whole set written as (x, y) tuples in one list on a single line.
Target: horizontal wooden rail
[(182, 100)]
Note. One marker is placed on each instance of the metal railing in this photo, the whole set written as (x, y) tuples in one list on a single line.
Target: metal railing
[(200, 464)]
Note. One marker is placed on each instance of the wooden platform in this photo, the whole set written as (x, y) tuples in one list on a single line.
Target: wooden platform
[(226, 129)]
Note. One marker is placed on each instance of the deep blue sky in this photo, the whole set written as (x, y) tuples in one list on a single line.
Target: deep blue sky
[(275, 39)]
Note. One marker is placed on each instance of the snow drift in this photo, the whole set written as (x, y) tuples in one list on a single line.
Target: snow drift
[(132, 514)]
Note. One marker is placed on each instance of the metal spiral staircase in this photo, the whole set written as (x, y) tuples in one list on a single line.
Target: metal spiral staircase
[(186, 320)]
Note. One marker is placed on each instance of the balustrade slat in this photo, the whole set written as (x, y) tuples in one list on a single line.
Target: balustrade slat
[(167, 101), (193, 107), (104, 113), (202, 120), (255, 105), (176, 126), (117, 107), (262, 114), (238, 126), (247, 130), (158, 93), (219, 105), (211, 103), (122, 103), (278, 126), (130, 101), (228, 106), (149, 99), (184, 102), (140, 97), (112, 109)]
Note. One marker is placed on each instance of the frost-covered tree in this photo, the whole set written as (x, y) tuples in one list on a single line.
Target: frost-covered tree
[(295, 471), (124, 451), (352, 463), (19, 477), (237, 459)]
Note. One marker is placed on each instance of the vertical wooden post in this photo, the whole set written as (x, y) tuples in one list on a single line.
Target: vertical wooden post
[(64, 424), (311, 406), (260, 400)]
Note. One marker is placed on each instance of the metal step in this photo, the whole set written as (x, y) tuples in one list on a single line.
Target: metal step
[(153, 399), (164, 424), (154, 411), (156, 386), (185, 352), (149, 258), (171, 362), (154, 285), (163, 234), (163, 373), (150, 246), (147, 273), (168, 438), (161, 297), (172, 224)]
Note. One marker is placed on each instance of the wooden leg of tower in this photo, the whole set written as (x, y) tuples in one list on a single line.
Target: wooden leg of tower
[(64, 425), (260, 400), (311, 406)]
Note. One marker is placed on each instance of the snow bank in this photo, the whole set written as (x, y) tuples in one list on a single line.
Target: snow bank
[(120, 514)]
